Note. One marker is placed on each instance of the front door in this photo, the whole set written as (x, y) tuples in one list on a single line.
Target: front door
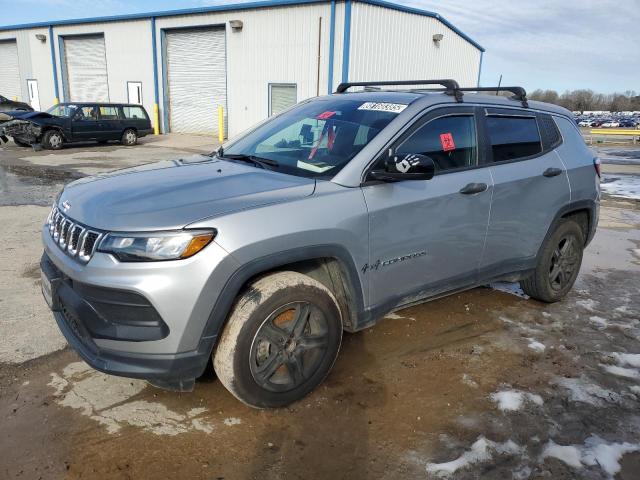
[(34, 94), (427, 237)]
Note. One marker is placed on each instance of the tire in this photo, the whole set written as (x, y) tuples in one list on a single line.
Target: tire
[(52, 140), (129, 137), (558, 264), (20, 143), (266, 357)]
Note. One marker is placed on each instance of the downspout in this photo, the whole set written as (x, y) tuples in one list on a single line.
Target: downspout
[(56, 93), (156, 97), (480, 68)]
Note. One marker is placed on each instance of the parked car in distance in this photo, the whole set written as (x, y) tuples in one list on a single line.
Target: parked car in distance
[(7, 105), (584, 123), (79, 122), (321, 219), (610, 124)]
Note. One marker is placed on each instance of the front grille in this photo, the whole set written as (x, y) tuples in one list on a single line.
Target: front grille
[(74, 239)]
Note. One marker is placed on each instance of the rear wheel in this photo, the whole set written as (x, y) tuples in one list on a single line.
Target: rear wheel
[(52, 140), (129, 137), (558, 264), (280, 342)]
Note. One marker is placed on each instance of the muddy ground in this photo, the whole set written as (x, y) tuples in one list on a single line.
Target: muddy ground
[(483, 384)]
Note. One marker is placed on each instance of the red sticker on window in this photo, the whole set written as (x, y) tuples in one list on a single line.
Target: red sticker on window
[(325, 115), (446, 139)]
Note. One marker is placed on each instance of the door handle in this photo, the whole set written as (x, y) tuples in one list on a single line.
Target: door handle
[(552, 172), (472, 188)]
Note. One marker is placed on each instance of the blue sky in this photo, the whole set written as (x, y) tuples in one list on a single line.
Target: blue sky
[(558, 44)]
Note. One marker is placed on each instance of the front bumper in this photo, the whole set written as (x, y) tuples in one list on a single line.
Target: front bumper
[(81, 319)]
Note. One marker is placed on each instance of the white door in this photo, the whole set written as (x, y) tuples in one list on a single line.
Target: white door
[(34, 95), (9, 70), (134, 92), (86, 69), (196, 79)]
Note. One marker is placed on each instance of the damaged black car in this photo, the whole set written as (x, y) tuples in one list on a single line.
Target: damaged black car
[(69, 123)]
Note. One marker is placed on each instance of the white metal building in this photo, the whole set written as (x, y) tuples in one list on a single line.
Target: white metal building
[(253, 59)]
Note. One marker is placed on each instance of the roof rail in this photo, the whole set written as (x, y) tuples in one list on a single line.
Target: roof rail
[(519, 93), (449, 84)]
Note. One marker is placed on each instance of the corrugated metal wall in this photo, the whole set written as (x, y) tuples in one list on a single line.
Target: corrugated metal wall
[(393, 45)]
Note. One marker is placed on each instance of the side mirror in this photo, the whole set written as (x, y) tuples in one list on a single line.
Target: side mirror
[(410, 166)]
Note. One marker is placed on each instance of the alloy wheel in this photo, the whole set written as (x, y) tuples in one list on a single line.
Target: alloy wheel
[(289, 346), (563, 263)]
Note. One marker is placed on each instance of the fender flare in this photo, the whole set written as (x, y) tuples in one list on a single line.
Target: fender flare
[(242, 275), (589, 205)]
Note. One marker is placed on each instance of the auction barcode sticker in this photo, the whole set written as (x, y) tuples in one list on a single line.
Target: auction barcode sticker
[(383, 107)]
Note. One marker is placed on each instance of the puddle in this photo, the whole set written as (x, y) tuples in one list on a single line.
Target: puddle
[(31, 186)]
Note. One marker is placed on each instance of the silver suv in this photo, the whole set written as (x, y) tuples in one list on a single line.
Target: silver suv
[(321, 219)]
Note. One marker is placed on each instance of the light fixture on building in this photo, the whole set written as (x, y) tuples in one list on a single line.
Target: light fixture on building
[(437, 38), (42, 37), (236, 25)]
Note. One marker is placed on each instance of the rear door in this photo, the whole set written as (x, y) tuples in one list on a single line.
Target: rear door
[(111, 125), (530, 186), (427, 237)]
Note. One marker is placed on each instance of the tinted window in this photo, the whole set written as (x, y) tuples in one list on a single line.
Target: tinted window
[(134, 112), (108, 113), (449, 141), (513, 137)]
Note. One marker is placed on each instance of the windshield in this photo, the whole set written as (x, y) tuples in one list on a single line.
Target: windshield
[(62, 110), (318, 138)]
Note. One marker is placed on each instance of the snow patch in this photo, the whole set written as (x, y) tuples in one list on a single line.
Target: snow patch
[(621, 371), (512, 288), (587, 303), (635, 389), (482, 450), (232, 421), (599, 322), (594, 452), (623, 186), (108, 400), (627, 359), (583, 391), (536, 345), (512, 400), (467, 380)]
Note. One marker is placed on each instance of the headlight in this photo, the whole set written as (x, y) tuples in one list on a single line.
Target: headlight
[(155, 246)]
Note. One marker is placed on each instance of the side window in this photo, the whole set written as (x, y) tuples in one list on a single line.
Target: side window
[(108, 113), (450, 141), (86, 113), (134, 113), (513, 137)]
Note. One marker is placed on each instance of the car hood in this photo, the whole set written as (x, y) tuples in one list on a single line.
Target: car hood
[(172, 194)]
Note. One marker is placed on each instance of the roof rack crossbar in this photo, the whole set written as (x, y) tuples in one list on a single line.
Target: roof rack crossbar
[(519, 93), (450, 84)]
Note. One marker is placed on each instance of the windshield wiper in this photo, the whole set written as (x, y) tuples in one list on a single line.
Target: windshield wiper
[(258, 161)]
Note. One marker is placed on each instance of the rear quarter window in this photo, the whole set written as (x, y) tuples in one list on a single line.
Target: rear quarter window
[(134, 113), (513, 137)]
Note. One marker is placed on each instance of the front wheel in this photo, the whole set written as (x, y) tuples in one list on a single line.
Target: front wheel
[(52, 140), (280, 342), (129, 137), (558, 264)]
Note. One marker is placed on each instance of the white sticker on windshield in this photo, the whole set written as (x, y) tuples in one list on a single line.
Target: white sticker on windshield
[(383, 107)]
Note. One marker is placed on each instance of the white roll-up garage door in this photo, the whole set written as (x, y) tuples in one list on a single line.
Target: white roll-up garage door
[(9, 70), (86, 69), (196, 79)]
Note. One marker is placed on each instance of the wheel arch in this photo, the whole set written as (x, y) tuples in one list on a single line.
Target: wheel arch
[(586, 214), (331, 265)]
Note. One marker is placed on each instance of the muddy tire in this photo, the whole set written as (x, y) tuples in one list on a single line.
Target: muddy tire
[(52, 140), (558, 264), (280, 341), (129, 137)]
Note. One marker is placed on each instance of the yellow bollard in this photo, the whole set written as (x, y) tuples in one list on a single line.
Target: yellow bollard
[(156, 118), (56, 101), (220, 124)]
